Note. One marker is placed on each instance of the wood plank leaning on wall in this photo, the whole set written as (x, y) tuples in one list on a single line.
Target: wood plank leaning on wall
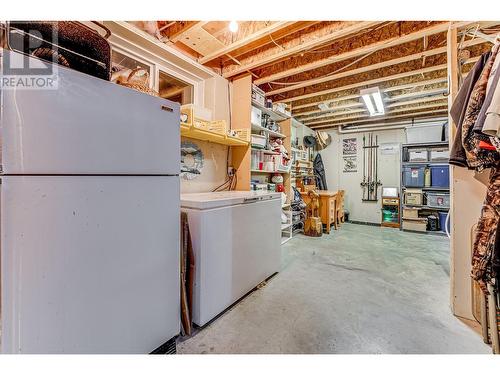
[(240, 119)]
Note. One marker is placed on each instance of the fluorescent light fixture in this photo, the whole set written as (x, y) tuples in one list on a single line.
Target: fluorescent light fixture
[(373, 101), (323, 106), (233, 26)]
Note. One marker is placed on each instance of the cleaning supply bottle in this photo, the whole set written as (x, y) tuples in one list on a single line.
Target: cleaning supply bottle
[(427, 177)]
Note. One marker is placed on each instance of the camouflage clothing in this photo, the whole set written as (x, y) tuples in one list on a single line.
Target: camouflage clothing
[(478, 158), (486, 231)]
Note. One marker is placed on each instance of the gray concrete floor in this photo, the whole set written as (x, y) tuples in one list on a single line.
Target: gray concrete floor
[(361, 289)]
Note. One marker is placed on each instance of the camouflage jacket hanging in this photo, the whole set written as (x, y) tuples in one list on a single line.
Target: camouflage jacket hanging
[(477, 158), (486, 231)]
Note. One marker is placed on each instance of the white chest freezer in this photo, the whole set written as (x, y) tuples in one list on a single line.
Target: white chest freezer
[(237, 244)]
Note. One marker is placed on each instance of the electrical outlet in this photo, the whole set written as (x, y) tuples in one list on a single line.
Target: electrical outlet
[(230, 171)]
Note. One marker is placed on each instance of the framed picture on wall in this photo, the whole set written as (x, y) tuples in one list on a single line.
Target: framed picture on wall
[(349, 146), (350, 164)]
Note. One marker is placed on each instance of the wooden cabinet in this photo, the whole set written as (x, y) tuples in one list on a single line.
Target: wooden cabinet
[(326, 206)]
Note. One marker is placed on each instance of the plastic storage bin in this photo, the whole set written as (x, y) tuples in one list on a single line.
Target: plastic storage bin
[(424, 133), (413, 176), (417, 155), (438, 200), (440, 176), (440, 155), (442, 221), (259, 141), (256, 117)]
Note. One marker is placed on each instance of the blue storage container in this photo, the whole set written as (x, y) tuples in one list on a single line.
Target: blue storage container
[(440, 176), (442, 221), (413, 176)]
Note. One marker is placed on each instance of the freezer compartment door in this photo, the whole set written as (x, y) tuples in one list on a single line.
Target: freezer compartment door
[(87, 126), (89, 264)]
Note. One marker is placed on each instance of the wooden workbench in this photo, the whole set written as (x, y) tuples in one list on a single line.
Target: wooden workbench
[(326, 206)]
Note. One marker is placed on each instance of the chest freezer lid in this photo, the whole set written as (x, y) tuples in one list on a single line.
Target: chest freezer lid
[(203, 201)]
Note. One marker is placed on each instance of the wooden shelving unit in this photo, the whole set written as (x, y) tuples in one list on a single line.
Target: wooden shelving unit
[(265, 130), (207, 135), (274, 115), (241, 157)]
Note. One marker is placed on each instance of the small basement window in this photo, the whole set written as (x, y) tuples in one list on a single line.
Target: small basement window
[(174, 89), (123, 61)]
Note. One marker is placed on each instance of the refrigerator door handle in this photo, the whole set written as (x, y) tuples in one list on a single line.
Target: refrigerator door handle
[(167, 108)]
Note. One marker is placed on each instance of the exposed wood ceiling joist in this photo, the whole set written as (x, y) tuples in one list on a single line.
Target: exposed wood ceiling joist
[(435, 97), (423, 97), (380, 119), (373, 81), (304, 115), (420, 93), (386, 90), (244, 41), (359, 103), (366, 83), (386, 43), (313, 43), (442, 102), (383, 64)]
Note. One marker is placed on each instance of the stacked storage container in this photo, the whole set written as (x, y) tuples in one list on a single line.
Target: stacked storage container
[(440, 176), (425, 179), (413, 176)]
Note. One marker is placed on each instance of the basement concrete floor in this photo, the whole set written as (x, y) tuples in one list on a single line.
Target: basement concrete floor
[(361, 289)]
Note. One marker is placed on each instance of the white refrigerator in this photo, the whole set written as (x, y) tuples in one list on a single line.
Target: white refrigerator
[(89, 218)]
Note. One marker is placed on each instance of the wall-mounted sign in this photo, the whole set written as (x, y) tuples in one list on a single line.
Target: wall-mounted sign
[(349, 146), (389, 148), (350, 164)]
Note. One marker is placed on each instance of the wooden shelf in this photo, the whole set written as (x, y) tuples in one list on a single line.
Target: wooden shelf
[(261, 171), (426, 207), (444, 162), (270, 132), (428, 188), (274, 115), (267, 152), (425, 144), (206, 135)]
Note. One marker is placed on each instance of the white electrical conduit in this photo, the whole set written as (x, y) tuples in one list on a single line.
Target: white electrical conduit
[(388, 126)]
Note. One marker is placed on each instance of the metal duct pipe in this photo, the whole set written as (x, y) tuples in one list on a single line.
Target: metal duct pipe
[(389, 126)]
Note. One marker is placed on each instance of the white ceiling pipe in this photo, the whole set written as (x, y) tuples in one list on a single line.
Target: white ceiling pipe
[(388, 126)]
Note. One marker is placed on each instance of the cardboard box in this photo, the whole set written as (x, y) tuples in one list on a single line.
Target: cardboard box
[(410, 213), (418, 225), (413, 197)]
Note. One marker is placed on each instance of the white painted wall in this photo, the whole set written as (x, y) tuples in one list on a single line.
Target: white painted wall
[(214, 170), (388, 172)]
